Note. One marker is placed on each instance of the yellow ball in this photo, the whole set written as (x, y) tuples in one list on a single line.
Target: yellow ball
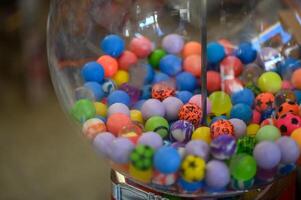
[(101, 109), (193, 168), (202, 133), (220, 103), (136, 116), (269, 82), (296, 135), (143, 176), (252, 130), (121, 77)]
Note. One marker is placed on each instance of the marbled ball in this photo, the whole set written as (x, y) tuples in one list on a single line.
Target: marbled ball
[(172, 106), (223, 147), (151, 139), (197, 148), (122, 150), (289, 150), (267, 154), (181, 131), (217, 174), (92, 127), (152, 107)]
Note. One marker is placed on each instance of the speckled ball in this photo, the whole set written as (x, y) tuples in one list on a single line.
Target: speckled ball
[(221, 127), (191, 112)]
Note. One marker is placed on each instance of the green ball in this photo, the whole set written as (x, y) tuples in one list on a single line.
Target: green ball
[(83, 110), (142, 157), (242, 167), (246, 145), (268, 132), (155, 57), (157, 124), (269, 82)]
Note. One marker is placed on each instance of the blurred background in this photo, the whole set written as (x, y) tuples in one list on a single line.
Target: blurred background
[(42, 156)]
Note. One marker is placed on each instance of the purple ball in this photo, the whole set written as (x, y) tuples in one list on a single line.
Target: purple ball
[(217, 174), (121, 150), (172, 106), (151, 139), (289, 150), (173, 43), (118, 108), (223, 147), (197, 148), (240, 127), (102, 143), (132, 91), (267, 154), (181, 131), (152, 107)]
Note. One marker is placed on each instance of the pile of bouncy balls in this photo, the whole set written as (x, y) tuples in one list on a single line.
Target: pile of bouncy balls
[(153, 132)]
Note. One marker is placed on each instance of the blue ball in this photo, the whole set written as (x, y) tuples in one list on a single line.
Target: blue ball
[(113, 45), (190, 186), (165, 154), (242, 111), (149, 75), (288, 66), (298, 96), (246, 53), (159, 77), (93, 71), (119, 96), (170, 65), (184, 96), (245, 96), (96, 89), (146, 92), (215, 52), (186, 81), (266, 114), (138, 104)]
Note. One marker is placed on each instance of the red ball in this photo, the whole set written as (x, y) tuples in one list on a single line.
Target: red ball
[(191, 112), (288, 122), (231, 65), (161, 91), (264, 101), (221, 127), (213, 81), (141, 46), (126, 60), (117, 122), (256, 117), (286, 107)]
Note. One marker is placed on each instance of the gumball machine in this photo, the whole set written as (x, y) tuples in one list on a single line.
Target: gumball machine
[(185, 99)]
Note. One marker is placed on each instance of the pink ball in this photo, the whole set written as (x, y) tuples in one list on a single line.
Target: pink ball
[(288, 122), (141, 46), (256, 117), (197, 99)]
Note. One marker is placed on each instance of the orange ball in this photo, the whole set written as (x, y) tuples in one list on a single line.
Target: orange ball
[(109, 64), (193, 64), (296, 80), (126, 60), (116, 122), (221, 127), (192, 48)]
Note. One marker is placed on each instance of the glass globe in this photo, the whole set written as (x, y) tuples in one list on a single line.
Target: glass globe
[(175, 93)]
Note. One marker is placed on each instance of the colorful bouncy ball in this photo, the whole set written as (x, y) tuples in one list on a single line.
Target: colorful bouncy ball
[(181, 131), (264, 101), (223, 147), (142, 157), (193, 168), (287, 123), (161, 91), (221, 127), (157, 124), (191, 113)]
